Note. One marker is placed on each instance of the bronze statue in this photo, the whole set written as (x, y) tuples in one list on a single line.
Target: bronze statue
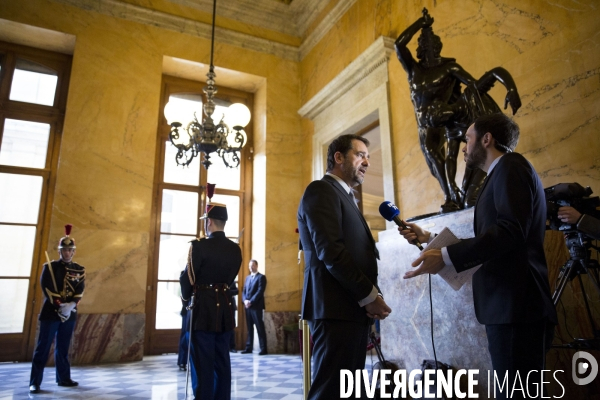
[(444, 112)]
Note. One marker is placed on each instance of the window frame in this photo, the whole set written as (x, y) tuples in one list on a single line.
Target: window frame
[(20, 346), (162, 341)]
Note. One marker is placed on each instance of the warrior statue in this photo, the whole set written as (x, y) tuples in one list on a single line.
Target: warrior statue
[(444, 112)]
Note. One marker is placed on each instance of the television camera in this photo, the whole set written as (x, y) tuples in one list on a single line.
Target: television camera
[(579, 245)]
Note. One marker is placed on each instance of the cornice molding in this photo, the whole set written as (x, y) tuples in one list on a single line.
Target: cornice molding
[(377, 54), (306, 11), (325, 26), (292, 19), (133, 13), (272, 14)]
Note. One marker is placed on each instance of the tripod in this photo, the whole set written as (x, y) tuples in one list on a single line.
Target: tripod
[(579, 264)]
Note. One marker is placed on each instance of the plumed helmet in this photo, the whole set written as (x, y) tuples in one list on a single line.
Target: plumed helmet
[(67, 242)]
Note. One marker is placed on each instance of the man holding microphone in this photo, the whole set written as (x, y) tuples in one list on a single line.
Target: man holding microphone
[(511, 293)]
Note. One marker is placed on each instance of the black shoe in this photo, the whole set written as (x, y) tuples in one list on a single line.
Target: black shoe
[(182, 367), (233, 351), (69, 383), (34, 388), (246, 351), (263, 353)]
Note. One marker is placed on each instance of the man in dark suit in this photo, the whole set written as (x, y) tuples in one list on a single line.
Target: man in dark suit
[(213, 264), (253, 295), (340, 276), (510, 291)]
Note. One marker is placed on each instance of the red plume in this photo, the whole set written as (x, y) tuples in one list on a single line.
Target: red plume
[(210, 190), (68, 229)]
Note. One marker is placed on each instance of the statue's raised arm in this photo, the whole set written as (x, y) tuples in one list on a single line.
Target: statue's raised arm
[(404, 55), (499, 74)]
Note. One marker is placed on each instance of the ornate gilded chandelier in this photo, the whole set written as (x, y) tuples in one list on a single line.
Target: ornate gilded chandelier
[(206, 136)]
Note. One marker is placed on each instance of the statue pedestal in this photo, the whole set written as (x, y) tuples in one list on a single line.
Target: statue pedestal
[(406, 334)]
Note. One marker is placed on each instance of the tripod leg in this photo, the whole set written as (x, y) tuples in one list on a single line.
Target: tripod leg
[(585, 299), (566, 276), (592, 277)]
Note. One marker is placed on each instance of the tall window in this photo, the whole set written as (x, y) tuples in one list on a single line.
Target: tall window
[(33, 88), (180, 200)]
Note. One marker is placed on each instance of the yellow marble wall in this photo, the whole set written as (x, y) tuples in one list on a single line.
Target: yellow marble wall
[(550, 49), (105, 174)]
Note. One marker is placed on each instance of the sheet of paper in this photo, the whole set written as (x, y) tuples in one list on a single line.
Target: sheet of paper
[(455, 279)]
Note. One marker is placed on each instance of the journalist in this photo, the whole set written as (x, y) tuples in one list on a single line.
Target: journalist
[(511, 293)]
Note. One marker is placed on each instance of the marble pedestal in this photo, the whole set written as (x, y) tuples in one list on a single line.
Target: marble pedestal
[(406, 334)]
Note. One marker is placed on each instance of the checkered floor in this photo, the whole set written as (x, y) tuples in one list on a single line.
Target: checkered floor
[(157, 377)]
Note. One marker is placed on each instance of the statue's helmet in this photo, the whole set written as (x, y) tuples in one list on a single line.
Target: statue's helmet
[(428, 42), (67, 242)]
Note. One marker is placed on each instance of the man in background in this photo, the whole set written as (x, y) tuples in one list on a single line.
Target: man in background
[(62, 283), (253, 295)]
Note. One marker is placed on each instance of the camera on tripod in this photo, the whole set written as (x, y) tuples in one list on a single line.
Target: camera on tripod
[(569, 194), (579, 244)]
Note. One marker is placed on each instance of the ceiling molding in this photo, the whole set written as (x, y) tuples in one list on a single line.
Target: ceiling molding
[(291, 19), (129, 12), (377, 54), (325, 26), (306, 11), (272, 14)]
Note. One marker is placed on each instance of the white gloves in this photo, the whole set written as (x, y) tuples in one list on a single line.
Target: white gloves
[(64, 312)]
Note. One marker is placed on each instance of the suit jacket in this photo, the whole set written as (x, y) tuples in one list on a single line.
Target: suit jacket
[(509, 224), (339, 253), (215, 260), (254, 290)]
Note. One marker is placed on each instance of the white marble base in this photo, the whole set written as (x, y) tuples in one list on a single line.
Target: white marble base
[(406, 334)]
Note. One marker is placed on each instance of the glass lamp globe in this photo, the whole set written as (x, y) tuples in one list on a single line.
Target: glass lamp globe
[(238, 115), (182, 111)]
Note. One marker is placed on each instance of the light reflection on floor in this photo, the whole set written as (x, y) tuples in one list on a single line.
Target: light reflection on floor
[(158, 378)]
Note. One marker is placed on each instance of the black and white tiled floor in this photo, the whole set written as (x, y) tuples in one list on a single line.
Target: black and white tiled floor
[(157, 377)]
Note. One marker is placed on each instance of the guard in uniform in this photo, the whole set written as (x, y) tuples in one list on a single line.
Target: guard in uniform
[(62, 283), (213, 264)]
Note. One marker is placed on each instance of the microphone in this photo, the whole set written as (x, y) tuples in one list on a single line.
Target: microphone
[(390, 212)]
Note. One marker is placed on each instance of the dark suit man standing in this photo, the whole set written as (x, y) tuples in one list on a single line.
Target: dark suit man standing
[(510, 291), (340, 276), (213, 264), (253, 295)]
